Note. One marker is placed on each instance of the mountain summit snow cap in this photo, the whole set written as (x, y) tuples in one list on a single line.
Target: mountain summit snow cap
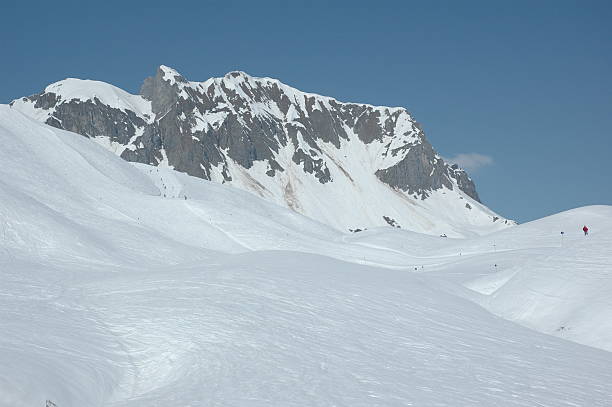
[(170, 74)]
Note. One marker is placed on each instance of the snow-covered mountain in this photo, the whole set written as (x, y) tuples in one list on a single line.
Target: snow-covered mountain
[(349, 165), (125, 284)]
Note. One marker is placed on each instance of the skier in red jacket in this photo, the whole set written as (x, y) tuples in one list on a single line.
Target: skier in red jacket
[(585, 230)]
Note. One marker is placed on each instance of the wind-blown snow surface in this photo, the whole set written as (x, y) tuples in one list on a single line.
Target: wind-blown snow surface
[(127, 285)]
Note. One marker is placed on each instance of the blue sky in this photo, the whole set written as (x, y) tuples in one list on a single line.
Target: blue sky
[(520, 92)]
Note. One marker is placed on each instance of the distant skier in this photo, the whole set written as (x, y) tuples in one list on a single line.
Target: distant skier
[(585, 230)]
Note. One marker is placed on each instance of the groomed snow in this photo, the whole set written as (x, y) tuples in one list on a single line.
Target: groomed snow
[(131, 285)]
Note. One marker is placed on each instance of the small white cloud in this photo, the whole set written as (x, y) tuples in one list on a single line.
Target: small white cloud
[(470, 161)]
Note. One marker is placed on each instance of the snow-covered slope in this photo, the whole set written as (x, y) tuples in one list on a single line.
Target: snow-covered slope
[(348, 165), (131, 285), (531, 274), (560, 285)]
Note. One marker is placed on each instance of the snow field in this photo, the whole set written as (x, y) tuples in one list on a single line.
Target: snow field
[(115, 290)]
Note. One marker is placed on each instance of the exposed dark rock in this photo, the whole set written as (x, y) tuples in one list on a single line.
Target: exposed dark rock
[(160, 92), (312, 166), (391, 222), (419, 172), (464, 182)]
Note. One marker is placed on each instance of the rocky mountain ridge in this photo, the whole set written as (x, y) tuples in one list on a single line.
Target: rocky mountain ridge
[(301, 150)]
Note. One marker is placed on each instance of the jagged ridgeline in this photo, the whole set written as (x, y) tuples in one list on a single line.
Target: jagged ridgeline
[(347, 164)]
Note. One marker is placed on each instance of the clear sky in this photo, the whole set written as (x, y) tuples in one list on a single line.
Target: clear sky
[(519, 92)]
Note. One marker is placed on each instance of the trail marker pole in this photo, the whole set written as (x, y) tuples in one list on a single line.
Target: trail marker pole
[(562, 234)]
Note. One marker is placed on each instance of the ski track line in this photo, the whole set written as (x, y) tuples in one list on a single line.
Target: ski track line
[(231, 237)]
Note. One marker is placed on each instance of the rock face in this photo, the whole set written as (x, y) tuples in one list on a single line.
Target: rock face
[(258, 134)]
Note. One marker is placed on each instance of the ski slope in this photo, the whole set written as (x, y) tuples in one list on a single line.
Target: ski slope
[(131, 285)]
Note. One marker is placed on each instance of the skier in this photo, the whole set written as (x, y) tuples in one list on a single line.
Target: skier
[(585, 230)]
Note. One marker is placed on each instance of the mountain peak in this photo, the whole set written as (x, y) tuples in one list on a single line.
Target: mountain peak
[(171, 75), (237, 74), (166, 68)]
